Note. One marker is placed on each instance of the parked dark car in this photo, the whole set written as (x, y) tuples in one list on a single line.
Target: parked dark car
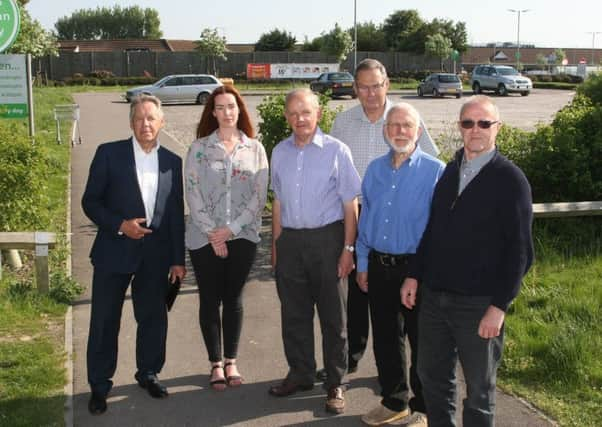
[(339, 83), (440, 84), (179, 89)]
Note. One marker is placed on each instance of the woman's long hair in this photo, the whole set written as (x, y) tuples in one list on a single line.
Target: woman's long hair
[(208, 122)]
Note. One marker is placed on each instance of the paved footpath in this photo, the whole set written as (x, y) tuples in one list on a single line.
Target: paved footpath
[(104, 117)]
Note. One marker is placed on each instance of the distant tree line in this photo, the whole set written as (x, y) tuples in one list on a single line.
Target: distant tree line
[(403, 31), (105, 23)]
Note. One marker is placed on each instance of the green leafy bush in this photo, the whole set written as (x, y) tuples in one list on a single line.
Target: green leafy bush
[(64, 289), (23, 178), (592, 88), (563, 161), (273, 126)]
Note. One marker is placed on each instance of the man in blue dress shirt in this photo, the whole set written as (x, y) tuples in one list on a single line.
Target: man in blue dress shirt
[(396, 198), (314, 224)]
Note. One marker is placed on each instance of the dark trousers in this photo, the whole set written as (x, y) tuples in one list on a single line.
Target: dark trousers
[(220, 282), (391, 323), (306, 276), (448, 331), (358, 319), (149, 286)]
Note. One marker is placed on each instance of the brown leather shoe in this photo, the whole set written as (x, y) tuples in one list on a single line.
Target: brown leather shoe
[(286, 388), (335, 401)]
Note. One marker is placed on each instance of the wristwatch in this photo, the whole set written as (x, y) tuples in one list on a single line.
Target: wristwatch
[(349, 248)]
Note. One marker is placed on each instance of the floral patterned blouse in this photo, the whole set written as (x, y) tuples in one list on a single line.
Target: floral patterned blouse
[(225, 190)]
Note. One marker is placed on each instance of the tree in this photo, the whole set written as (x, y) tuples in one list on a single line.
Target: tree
[(438, 46), (212, 45), (541, 60), (110, 23), (399, 26), (312, 46), (32, 38), (275, 40), (370, 37), (559, 56), (337, 43)]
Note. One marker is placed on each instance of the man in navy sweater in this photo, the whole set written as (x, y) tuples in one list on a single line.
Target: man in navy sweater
[(473, 255)]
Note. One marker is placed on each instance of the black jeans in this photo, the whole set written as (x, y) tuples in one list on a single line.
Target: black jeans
[(448, 331), (391, 322), (306, 277), (220, 282)]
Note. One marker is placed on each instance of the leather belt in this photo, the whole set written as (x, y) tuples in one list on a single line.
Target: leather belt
[(390, 260)]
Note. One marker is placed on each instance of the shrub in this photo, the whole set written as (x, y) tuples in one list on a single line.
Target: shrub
[(23, 177), (101, 74), (64, 289), (563, 161), (592, 88), (273, 127)]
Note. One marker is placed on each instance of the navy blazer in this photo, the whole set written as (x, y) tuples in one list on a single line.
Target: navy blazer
[(112, 195)]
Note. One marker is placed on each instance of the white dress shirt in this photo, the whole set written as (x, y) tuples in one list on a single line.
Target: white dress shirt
[(147, 170)]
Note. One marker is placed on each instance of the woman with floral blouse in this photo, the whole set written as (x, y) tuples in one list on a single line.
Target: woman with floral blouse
[(226, 179)]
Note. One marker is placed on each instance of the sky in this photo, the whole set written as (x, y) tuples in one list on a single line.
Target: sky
[(244, 21)]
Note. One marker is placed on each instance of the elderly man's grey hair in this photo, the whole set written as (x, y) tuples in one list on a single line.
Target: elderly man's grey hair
[(405, 107), (142, 98), (305, 92), (480, 100), (370, 64)]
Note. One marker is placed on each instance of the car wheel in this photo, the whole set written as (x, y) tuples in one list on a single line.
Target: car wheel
[(525, 93), (419, 91), (501, 90), (436, 93), (458, 95), (476, 88), (202, 98)]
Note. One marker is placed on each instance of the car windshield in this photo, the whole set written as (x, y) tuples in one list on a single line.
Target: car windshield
[(507, 71), (162, 81), (340, 76), (448, 78)]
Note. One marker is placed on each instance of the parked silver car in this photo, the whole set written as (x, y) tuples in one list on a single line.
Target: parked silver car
[(179, 89), (502, 79), (440, 84)]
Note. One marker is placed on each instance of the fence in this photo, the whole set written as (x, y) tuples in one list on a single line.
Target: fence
[(159, 64)]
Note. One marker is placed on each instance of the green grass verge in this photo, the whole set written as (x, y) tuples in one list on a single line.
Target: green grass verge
[(32, 376), (553, 354)]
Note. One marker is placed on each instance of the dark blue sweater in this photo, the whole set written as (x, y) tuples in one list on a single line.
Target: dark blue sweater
[(478, 243)]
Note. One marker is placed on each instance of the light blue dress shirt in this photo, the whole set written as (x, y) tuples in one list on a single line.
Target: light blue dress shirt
[(396, 205), (312, 182)]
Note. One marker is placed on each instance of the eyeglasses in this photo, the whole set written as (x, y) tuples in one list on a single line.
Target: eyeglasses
[(372, 88), (483, 124)]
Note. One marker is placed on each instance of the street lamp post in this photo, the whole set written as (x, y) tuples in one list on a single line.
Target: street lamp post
[(593, 33), (518, 12), (354, 35)]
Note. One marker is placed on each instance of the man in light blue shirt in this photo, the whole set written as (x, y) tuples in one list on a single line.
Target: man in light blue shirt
[(314, 223), (396, 198)]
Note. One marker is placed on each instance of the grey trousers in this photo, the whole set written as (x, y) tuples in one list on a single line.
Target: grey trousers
[(306, 276)]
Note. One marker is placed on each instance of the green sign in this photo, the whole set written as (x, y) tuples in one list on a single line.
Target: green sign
[(9, 23), (517, 55), (13, 87), (455, 55)]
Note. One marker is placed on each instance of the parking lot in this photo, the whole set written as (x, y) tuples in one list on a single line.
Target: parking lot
[(439, 114)]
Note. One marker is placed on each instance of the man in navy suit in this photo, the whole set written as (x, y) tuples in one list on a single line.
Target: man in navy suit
[(134, 196)]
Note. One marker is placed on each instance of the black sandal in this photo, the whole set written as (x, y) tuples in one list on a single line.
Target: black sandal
[(232, 380), (218, 384)]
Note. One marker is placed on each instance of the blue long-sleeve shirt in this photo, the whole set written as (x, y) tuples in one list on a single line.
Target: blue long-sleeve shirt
[(396, 204)]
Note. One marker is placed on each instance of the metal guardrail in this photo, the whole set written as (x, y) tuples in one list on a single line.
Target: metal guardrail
[(67, 112), (566, 209), (39, 241)]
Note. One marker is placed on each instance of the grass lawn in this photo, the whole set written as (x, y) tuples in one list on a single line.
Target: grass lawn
[(32, 376), (553, 354)]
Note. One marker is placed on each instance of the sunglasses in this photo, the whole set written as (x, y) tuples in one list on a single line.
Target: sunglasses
[(483, 124)]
